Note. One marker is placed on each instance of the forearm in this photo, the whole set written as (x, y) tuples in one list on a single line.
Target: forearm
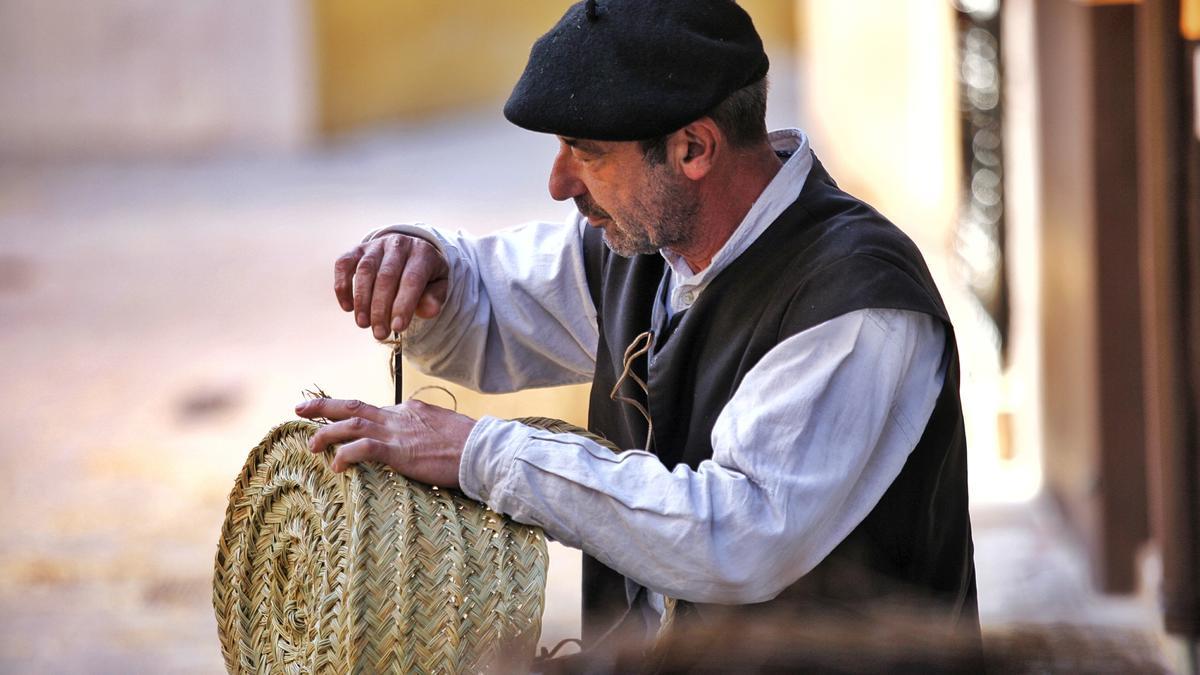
[(676, 532)]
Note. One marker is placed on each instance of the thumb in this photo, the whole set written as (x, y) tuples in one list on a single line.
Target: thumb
[(433, 299)]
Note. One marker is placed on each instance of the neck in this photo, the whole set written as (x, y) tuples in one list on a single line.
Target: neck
[(726, 197)]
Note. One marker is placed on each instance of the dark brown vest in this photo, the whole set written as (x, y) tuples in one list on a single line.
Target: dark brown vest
[(826, 255)]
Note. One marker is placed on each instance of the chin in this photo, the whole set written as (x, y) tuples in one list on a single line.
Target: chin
[(617, 247), (625, 249)]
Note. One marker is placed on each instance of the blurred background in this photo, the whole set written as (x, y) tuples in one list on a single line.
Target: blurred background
[(176, 180)]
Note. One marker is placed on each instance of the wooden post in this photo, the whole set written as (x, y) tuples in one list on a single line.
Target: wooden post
[(1169, 228), (1094, 435)]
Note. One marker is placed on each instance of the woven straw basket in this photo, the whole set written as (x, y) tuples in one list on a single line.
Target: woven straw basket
[(366, 571)]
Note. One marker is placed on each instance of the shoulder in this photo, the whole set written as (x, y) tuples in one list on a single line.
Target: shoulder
[(849, 258)]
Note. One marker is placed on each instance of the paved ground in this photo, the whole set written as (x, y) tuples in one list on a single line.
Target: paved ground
[(156, 319)]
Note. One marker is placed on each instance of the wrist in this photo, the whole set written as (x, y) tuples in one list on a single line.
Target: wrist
[(487, 454), (415, 230)]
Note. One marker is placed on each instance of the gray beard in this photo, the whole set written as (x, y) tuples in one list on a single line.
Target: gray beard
[(675, 222), (646, 247)]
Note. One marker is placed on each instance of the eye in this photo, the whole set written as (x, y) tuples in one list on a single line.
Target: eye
[(583, 155)]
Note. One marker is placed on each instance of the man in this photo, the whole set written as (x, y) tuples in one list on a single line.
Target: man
[(770, 352)]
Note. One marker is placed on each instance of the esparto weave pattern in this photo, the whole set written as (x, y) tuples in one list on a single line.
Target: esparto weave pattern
[(369, 572)]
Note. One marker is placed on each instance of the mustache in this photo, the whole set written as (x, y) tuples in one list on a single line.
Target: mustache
[(588, 208)]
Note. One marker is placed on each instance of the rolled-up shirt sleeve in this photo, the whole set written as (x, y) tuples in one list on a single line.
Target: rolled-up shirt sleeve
[(518, 313), (807, 446)]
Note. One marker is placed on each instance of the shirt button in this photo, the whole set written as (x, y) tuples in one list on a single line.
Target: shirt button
[(689, 297)]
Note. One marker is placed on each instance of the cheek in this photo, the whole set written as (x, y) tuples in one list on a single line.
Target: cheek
[(598, 187), (606, 178)]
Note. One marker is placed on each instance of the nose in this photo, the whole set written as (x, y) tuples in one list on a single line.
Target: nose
[(564, 182)]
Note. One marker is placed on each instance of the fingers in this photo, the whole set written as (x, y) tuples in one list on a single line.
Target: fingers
[(433, 299), (363, 450), (361, 431), (426, 272), (364, 281), (387, 280), (338, 409), (343, 273), (347, 430), (420, 441)]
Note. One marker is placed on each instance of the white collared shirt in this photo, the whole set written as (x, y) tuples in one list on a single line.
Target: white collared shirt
[(802, 452), (684, 285)]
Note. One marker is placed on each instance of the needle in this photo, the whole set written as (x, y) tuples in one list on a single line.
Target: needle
[(398, 370)]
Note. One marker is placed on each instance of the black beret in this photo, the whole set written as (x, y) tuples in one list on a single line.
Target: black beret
[(624, 70)]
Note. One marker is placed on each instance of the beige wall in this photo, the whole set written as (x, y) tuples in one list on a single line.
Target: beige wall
[(133, 77), (138, 77), (879, 80), (380, 61)]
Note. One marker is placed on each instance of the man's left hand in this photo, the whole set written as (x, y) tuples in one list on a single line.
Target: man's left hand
[(420, 441)]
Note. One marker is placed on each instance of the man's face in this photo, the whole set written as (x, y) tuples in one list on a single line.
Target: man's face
[(641, 206)]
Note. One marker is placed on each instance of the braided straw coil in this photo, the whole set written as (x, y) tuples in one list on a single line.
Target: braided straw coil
[(366, 571)]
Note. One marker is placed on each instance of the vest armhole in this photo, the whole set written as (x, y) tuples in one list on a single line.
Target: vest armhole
[(853, 277)]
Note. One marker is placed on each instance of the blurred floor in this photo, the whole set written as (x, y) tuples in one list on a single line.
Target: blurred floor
[(158, 318)]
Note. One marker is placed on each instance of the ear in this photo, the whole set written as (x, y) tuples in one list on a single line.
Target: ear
[(698, 145)]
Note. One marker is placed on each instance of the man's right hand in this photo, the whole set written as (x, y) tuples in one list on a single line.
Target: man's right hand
[(386, 280)]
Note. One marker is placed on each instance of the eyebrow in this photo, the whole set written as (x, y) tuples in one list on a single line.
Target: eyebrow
[(582, 144)]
